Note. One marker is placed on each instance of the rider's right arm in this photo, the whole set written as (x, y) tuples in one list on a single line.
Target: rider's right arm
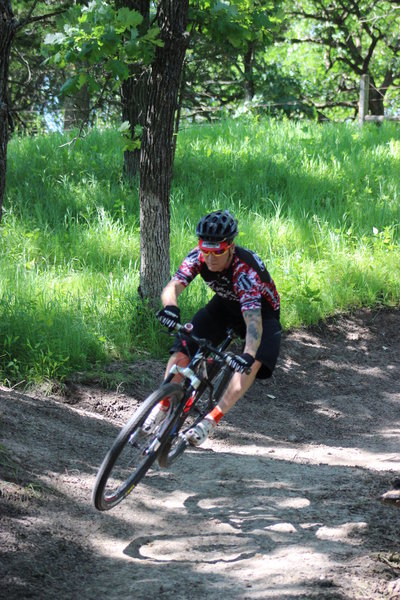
[(169, 295)]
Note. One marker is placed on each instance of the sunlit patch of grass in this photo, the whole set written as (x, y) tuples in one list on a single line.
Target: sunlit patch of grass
[(319, 204)]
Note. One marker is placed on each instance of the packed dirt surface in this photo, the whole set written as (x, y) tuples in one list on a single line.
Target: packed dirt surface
[(282, 502)]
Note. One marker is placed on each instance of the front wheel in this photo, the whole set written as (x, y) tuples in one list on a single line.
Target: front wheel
[(133, 452)]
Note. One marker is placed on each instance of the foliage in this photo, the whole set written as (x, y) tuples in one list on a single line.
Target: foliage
[(100, 42), (320, 204), (236, 22), (296, 57), (33, 90), (331, 45), (94, 44), (224, 64)]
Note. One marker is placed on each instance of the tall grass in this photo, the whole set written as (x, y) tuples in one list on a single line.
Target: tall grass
[(320, 204)]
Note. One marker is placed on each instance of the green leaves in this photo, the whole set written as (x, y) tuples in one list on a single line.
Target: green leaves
[(128, 19), (338, 41), (70, 86), (99, 40), (117, 68), (130, 142)]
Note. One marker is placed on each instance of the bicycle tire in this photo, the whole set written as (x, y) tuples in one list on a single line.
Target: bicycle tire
[(221, 383), (173, 449), (116, 479)]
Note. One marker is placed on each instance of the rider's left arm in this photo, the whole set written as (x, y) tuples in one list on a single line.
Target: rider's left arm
[(254, 330)]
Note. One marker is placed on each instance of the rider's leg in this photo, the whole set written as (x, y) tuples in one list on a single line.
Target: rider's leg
[(210, 323), (238, 386), (263, 367), (162, 409), (177, 358)]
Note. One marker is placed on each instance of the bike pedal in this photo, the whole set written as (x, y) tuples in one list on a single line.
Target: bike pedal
[(183, 439)]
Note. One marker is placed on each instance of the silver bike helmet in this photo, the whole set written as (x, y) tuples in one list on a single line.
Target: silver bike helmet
[(217, 226)]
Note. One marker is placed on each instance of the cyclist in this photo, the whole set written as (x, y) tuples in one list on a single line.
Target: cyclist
[(245, 299)]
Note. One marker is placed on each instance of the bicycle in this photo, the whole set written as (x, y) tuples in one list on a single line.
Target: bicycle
[(134, 451)]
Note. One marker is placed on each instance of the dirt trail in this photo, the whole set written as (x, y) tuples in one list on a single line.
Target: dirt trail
[(281, 503)]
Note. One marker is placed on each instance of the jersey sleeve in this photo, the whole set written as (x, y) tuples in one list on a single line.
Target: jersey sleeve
[(189, 268), (248, 288), (253, 285)]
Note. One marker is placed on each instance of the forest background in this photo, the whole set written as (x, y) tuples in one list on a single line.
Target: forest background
[(265, 124)]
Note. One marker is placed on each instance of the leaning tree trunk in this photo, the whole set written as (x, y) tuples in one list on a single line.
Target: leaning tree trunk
[(7, 32), (157, 149)]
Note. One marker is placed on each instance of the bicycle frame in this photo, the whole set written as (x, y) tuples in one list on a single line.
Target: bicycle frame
[(197, 375), (198, 362)]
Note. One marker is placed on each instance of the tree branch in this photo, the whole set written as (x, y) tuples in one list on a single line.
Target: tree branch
[(28, 16), (25, 62), (29, 19), (370, 52)]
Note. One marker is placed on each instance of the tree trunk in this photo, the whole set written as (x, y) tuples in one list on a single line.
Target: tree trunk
[(134, 91), (134, 106), (248, 61), (7, 32), (376, 98), (157, 149), (178, 111)]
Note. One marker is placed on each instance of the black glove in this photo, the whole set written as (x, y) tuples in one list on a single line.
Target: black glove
[(169, 316), (241, 362)]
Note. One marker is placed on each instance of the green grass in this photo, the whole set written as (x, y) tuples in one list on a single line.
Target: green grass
[(320, 204)]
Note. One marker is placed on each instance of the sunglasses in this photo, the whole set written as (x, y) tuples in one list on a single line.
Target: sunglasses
[(215, 252), (220, 251)]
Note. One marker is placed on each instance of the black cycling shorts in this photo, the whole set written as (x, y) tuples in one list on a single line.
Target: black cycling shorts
[(212, 322)]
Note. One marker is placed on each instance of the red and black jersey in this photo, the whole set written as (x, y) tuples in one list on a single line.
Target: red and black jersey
[(246, 283)]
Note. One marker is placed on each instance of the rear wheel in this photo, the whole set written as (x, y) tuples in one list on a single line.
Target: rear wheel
[(134, 451), (203, 404), (178, 444), (192, 413)]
